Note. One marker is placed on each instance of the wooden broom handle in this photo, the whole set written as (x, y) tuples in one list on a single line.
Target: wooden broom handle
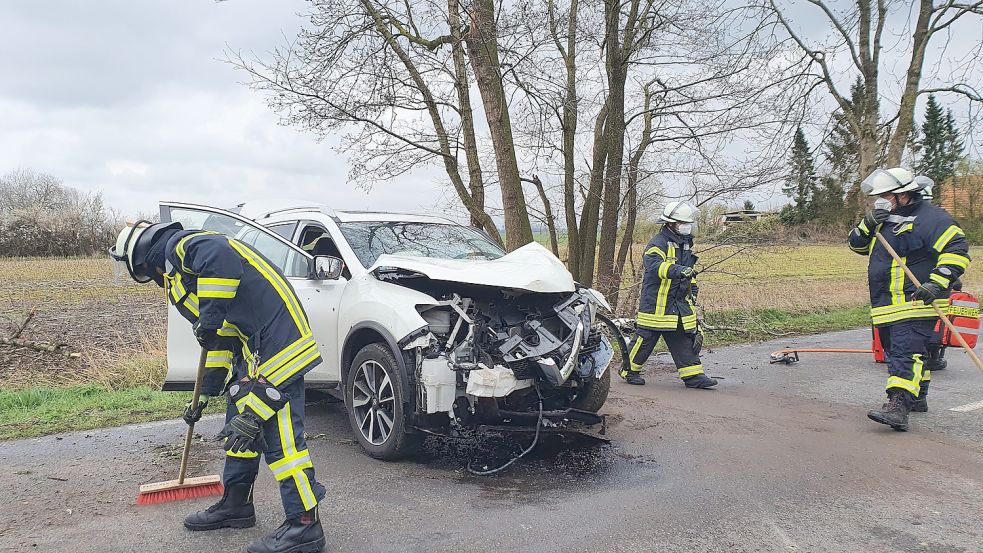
[(945, 319), (202, 358)]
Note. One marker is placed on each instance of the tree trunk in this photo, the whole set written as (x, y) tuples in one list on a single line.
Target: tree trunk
[(450, 161), (570, 115), (631, 215), (482, 43), (614, 131), (906, 111), (548, 212), (592, 203), (461, 84)]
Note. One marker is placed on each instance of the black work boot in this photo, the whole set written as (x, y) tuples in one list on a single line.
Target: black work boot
[(920, 405), (234, 510), (934, 360), (302, 534), (894, 413), (635, 377), (699, 381)]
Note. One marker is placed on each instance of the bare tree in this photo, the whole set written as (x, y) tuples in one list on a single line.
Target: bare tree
[(859, 32)]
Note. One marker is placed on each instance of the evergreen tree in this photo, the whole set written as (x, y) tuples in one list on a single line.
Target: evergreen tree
[(748, 205), (939, 147), (800, 185), (834, 202)]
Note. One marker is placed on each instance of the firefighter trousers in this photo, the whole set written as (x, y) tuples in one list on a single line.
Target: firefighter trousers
[(906, 345), (679, 342), (286, 454)]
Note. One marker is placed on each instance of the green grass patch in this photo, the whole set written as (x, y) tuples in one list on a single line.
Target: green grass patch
[(768, 324), (41, 411)]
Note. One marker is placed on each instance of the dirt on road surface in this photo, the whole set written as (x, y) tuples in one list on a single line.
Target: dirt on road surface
[(777, 458)]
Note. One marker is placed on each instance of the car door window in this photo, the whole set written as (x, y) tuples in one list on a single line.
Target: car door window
[(285, 230), (287, 259)]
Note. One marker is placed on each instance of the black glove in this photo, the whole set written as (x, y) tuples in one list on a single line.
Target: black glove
[(697, 342), (687, 272), (192, 414), (243, 433), (875, 218), (928, 292), (207, 337)]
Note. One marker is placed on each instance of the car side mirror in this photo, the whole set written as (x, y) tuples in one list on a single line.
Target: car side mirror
[(327, 268)]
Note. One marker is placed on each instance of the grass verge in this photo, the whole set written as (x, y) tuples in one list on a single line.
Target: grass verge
[(769, 324), (41, 411)]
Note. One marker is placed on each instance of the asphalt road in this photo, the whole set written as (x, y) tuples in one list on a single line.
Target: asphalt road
[(777, 458)]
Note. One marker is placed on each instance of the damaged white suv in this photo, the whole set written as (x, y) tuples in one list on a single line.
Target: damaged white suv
[(425, 326)]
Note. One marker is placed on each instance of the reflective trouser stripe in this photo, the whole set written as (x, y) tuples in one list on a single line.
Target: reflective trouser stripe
[(242, 455), (634, 351), (294, 462), (692, 370), (912, 385)]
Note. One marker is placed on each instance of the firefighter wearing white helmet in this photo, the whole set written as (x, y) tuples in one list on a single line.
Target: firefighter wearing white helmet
[(666, 304), (246, 315), (935, 249)]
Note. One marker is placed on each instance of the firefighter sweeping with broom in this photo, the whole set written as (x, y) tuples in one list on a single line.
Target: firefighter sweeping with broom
[(260, 345), (666, 307), (932, 246)]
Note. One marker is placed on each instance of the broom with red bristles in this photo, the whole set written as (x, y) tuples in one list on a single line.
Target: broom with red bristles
[(184, 488)]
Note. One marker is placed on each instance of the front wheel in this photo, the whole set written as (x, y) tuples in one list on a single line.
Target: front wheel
[(374, 397)]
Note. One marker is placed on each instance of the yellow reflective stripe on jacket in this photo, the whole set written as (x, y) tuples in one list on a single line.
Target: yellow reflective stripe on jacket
[(939, 279), (656, 250), (692, 370), (179, 249), (303, 360), (217, 287), (273, 277), (257, 405), (946, 237), (242, 455), (909, 310), (664, 270), (177, 291), (219, 360), (897, 281), (282, 357), (960, 261)]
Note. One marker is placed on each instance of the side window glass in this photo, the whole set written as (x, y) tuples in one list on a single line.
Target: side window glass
[(285, 230), (288, 260)]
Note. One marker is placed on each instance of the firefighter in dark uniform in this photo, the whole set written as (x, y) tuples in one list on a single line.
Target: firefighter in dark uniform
[(933, 246), (666, 308), (260, 345)]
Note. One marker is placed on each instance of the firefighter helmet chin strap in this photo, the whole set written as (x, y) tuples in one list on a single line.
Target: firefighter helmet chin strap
[(124, 256)]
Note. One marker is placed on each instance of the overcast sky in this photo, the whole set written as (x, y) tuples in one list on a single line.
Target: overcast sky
[(131, 99)]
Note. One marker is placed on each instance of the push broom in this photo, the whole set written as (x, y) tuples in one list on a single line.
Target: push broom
[(184, 488), (945, 320)]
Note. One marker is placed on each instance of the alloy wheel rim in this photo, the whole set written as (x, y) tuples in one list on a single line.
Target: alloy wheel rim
[(373, 402)]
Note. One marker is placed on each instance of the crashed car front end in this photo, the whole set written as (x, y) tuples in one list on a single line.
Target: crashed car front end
[(495, 357)]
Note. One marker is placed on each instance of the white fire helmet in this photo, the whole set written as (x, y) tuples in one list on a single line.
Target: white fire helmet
[(884, 181), (679, 212), (130, 252)]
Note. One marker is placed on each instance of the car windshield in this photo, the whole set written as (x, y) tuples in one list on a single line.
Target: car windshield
[(370, 239)]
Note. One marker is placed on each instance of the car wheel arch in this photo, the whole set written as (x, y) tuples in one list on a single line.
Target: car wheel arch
[(369, 332)]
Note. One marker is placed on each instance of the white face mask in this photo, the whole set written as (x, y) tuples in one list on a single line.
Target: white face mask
[(884, 203), (684, 229)]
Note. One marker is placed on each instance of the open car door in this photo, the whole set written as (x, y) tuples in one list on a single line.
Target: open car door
[(293, 261)]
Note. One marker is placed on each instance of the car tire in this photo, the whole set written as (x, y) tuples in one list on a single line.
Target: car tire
[(374, 401), (593, 394)]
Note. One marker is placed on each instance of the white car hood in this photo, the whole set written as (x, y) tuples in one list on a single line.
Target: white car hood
[(531, 267)]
